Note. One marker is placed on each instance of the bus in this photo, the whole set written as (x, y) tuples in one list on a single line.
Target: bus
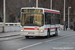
[(39, 22)]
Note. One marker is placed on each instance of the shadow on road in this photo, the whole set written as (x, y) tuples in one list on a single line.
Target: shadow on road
[(40, 38)]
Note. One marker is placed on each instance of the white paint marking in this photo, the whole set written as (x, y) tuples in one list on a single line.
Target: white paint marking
[(59, 38), (42, 42), (30, 46)]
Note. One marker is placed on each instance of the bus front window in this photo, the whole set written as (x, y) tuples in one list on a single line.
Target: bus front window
[(32, 20)]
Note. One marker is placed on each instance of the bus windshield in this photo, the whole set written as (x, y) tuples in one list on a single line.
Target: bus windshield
[(32, 20)]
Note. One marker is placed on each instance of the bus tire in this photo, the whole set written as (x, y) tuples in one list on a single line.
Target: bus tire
[(48, 33), (26, 37), (56, 32)]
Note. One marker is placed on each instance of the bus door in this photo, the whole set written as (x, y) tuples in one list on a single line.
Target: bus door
[(53, 27)]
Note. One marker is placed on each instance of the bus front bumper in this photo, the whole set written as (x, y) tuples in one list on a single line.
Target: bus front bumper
[(32, 34)]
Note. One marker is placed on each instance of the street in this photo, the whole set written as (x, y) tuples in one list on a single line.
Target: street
[(35, 24), (65, 41)]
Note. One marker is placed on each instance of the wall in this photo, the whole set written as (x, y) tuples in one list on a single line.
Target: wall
[(10, 27)]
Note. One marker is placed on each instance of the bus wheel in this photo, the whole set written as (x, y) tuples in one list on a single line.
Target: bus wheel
[(48, 33), (56, 32), (27, 37)]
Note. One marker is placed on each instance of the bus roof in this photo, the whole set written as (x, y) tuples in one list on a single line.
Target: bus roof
[(45, 9)]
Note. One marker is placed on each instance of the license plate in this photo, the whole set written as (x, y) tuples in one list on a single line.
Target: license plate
[(31, 33)]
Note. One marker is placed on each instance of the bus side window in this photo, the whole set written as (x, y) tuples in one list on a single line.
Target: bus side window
[(57, 19), (53, 18), (47, 18)]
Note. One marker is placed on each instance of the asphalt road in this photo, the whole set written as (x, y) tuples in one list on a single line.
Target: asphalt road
[(65, 41)]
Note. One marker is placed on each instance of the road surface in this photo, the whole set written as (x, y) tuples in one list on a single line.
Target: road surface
[(65, 41)]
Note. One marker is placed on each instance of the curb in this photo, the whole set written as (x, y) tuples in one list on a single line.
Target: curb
[(9, 36)]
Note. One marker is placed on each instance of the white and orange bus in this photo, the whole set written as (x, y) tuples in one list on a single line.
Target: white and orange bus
[(39, 22)]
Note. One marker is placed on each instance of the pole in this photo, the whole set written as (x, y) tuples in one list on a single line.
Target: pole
[(36, 3), (4, 15), (64, 14), (68, 18), (51, 4)]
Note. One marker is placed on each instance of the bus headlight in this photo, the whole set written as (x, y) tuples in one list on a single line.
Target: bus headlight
[(21, 30), (41, 30)]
